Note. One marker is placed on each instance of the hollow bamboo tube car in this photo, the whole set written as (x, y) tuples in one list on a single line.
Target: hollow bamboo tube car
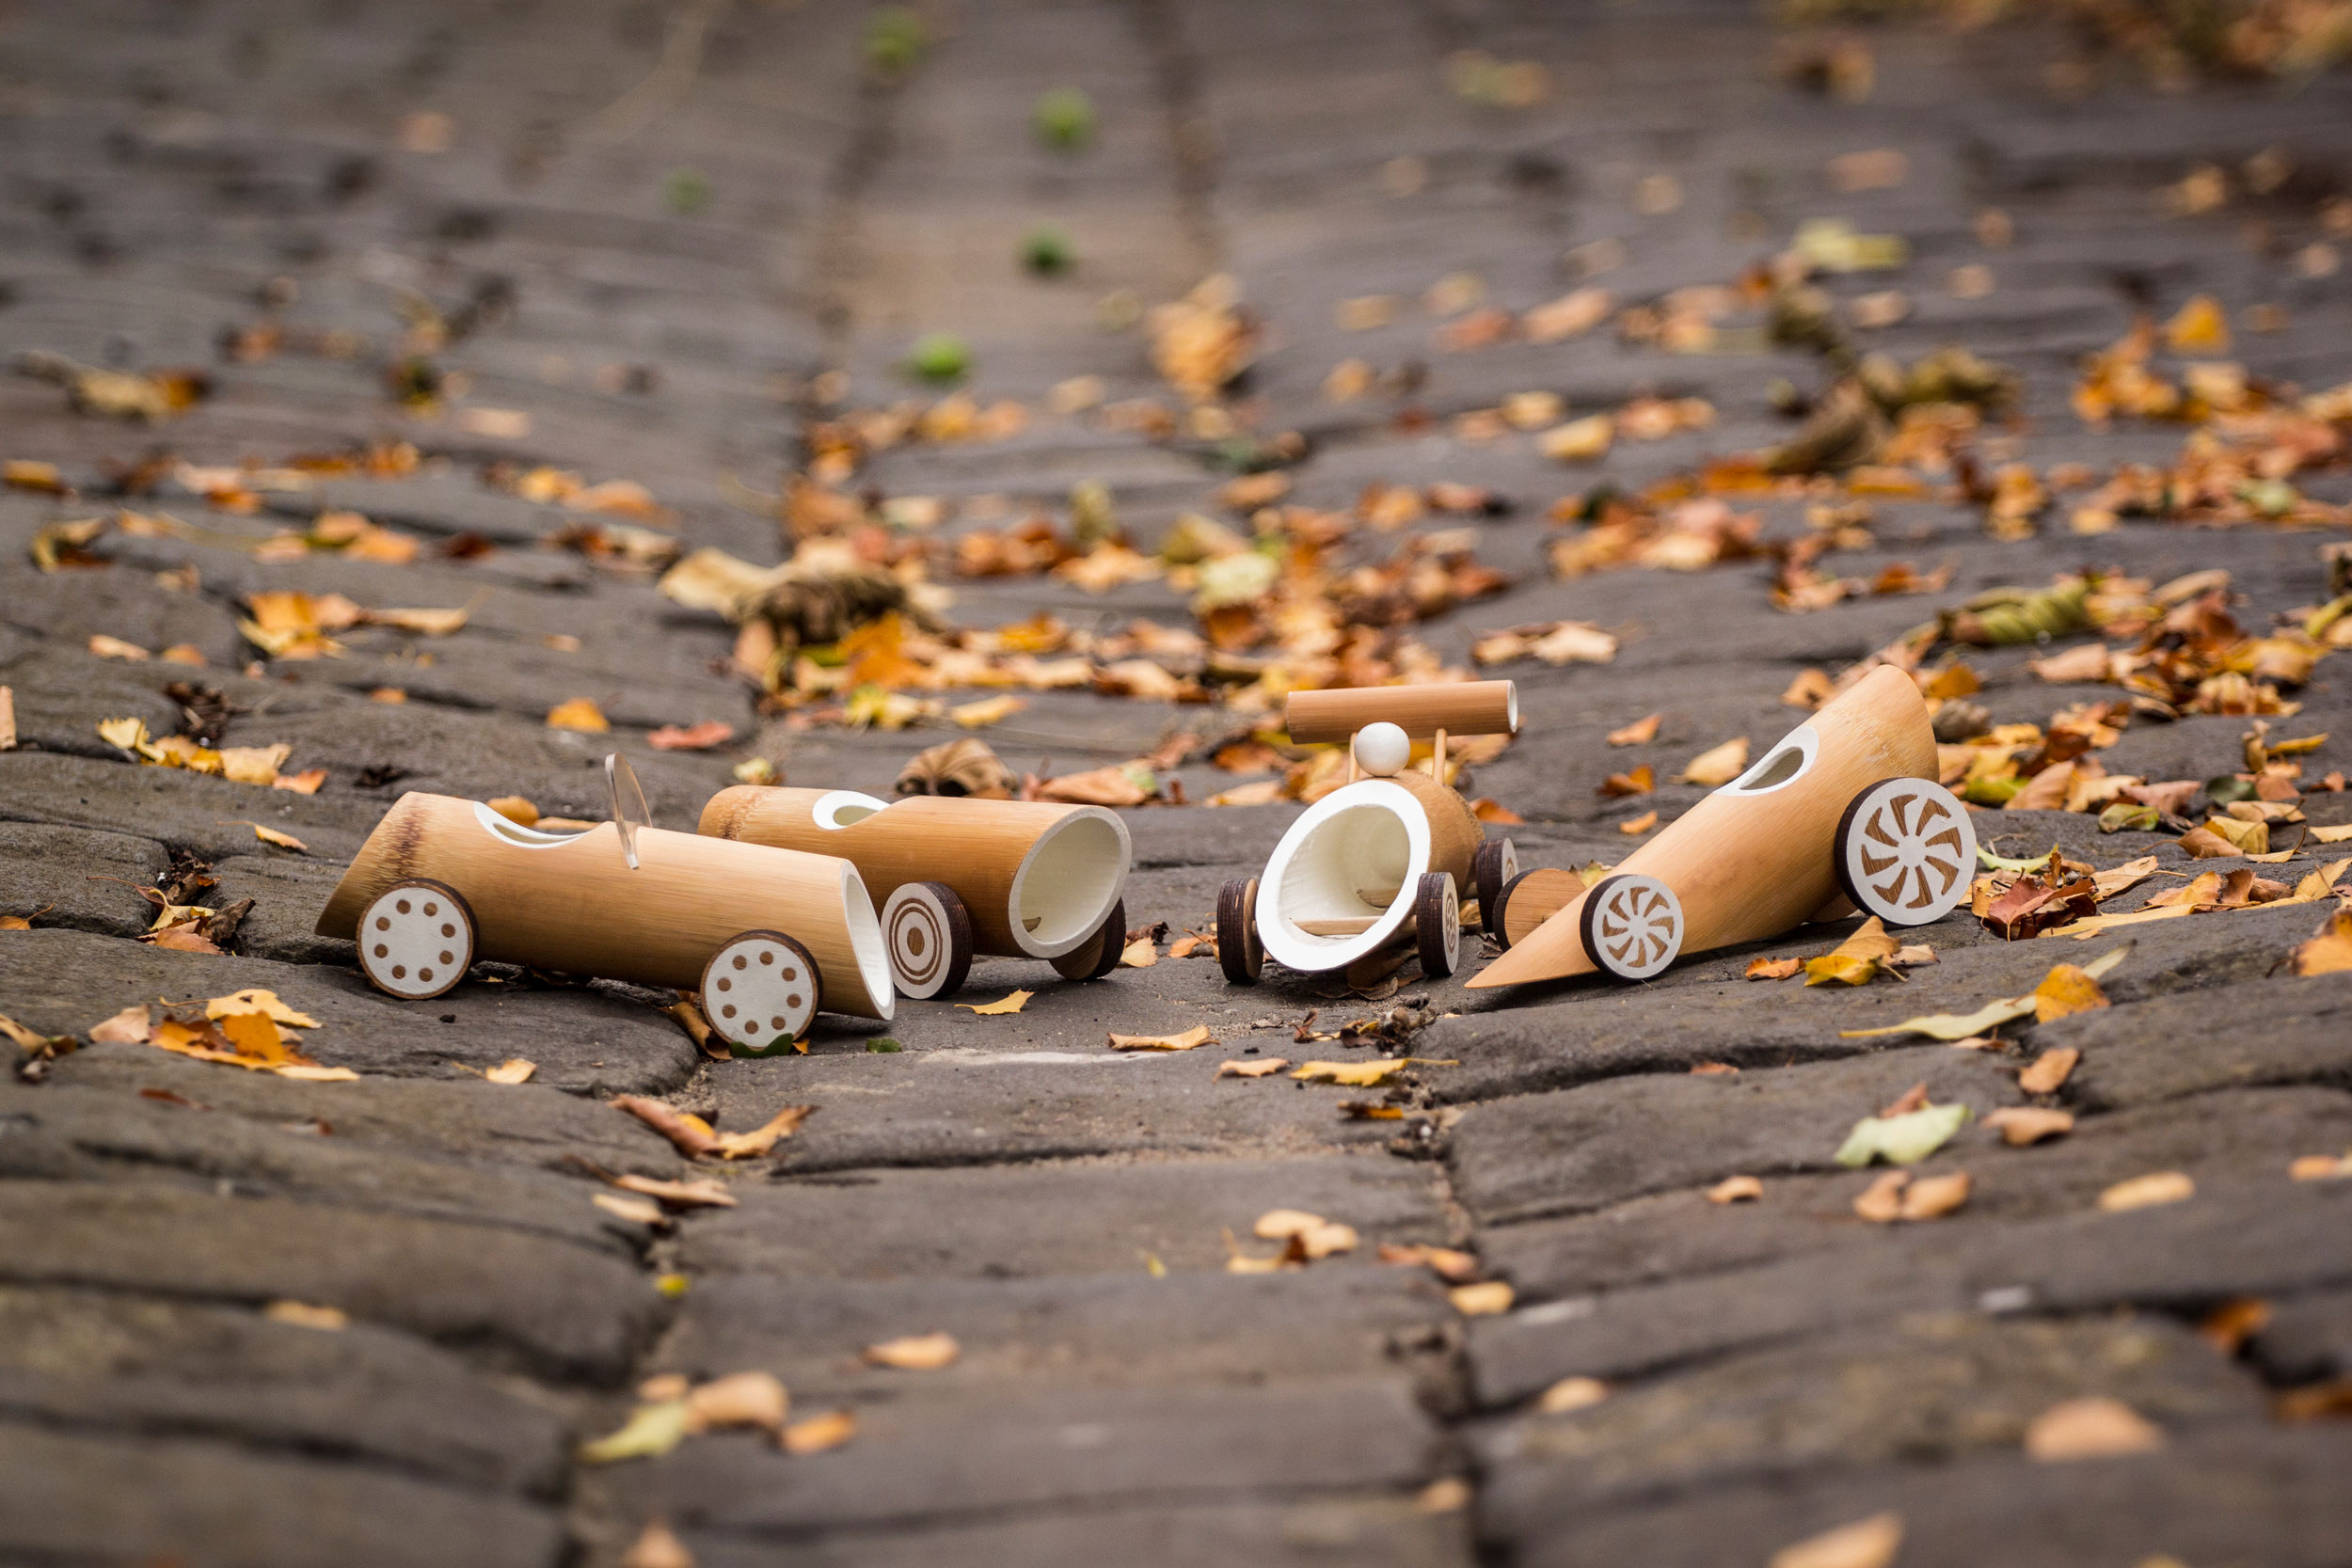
[(766, 936), (953, 875), (1384, 859), (1843, 815)]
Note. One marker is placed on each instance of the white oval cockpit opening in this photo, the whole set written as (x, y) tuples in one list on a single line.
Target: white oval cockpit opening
[(1784, 765)]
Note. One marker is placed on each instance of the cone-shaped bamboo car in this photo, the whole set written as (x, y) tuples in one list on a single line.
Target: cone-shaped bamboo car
[(1379, 861), (768, 937), (954, 876), (1843, 814)]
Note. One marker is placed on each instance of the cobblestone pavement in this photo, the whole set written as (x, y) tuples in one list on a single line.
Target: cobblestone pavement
[(667, 236)]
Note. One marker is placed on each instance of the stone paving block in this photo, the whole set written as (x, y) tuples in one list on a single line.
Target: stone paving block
[(173, 806), (288, 892), (1063, 1218), (2213, 1138), (1570, 1032), (584, 1038), (949, 1105), (65, 870), (2234, 1495), (57, 1134), (1374, 1531), (1088, 1331), (566, 1309), (2252, 1237), (953, 1460), (1929, 1390), (1583, 1149), (218, 1506), (2308, 1338), (464, 1118), (63, 695), (2291, 1031), (92, 1360)]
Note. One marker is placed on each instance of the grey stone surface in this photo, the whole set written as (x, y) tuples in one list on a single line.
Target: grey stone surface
[(77, 878)]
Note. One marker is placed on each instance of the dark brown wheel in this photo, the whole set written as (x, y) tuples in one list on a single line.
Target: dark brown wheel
[(1239, 952), (1492, 868), (1099, 954), (1438, 923), (930, 935), (759, 991), (416, 940)]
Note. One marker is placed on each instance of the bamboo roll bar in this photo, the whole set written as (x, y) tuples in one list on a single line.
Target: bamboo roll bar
[(570, 902), (1458, 707), (1036, 878)]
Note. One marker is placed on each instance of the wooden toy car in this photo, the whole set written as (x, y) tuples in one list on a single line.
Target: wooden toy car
[(1843, 815), (1381, 860), (954, 876), (766, 936)]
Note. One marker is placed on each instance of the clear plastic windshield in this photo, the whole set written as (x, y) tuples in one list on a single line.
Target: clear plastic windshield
[(629, 803)]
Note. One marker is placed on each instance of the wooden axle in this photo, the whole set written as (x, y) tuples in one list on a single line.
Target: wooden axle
[(1460, 707), (569, 901)]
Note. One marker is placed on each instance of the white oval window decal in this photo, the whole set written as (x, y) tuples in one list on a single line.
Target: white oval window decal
[(1783, 764)]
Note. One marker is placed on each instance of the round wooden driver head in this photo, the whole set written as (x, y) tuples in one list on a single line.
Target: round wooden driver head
[(1631, 925), (759, 989), (1493, 868), (1905, 851), (1099, 954), (1438, 923), (1239, 953), (929, 934), (416, 940)]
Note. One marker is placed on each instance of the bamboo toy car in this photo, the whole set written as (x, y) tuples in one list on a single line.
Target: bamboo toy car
[(766, 936), (1381, 860), (954, 875), (1843, 815)]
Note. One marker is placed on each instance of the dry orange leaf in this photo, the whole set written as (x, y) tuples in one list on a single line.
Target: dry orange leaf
[(2091, 1428), (2147, 1192), (745, 1146), (818, 1433), (705, 1193), (1736, 1189), (690, 1132), (1774, 969), (915, 1352), (1003, 1004), (1638, 782), (2020, 1125), (578, 714), (1572, 1393), (739, 1400), (1718, 765), (2046, 1073), (1636, 826), (1857, 960), (690, 737), (1481, 1300), (1870, 1542), (1640, 732), (2066, 990), (2328, 953), (1264, 1068), (515, 1069), (1190, 1039)]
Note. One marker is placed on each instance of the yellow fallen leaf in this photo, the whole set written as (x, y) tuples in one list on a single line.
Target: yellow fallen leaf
[(1572, 1393), (818, 1433), (302, 1314), (2328, 953), (2340, 834), (578, 714), (127, 1027), (987, 710), (2199, 327), (1958, 1026), (1002, 1006), (652, 1430), (1718, 765), (638, 1211), (1856, 960), (1484, 1299), (2091, 1428), (1191, 1039), (2146, 1192), (253, 765), (2066, 990), (1354, 1075), (425, 623), (1640, 732), (1252, 1069), (915, 1352), (128, 734), (1280, 1225), (706, 1194), (1870, 1542), (103, 646), (253, 999), (515, 809), (515, 1069), (310, 1073), (745, 1146), (1142, 953)]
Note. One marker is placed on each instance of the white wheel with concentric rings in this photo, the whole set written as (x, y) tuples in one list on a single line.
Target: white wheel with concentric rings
[(929, 934), (1631, 925), (416, 940), (1905, 851), (759, 990)]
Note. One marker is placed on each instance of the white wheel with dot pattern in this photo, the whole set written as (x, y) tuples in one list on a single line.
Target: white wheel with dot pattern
[(1632, 926), (760, 989), (416, 940), (1906, 852)]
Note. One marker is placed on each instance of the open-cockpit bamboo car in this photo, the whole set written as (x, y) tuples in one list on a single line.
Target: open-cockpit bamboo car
[(1843, 815), (1383, 859), (766, 936), (954, 876)]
